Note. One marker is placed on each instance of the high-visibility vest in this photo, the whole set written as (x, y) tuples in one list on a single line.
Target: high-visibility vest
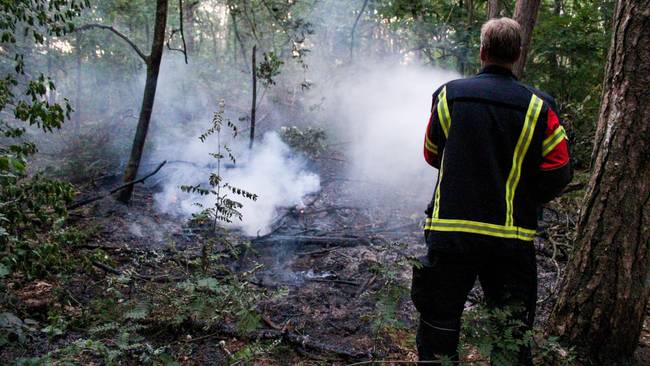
[(501, 152)]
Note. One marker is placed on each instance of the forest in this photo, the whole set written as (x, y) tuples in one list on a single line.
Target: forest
[(241, 182)]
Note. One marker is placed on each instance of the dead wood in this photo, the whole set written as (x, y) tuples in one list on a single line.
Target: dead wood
[(331, 209), (318, 252), (303, 240), (327, 280), (115, 190), (161, 278), (365, 286), (297, 340), (573, 187)]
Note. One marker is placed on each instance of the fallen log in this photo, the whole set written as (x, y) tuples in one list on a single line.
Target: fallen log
[(297, 340), (115, 190), (327, 280), (305, 240)]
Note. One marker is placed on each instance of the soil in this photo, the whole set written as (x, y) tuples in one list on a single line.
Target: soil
[(326, 293)]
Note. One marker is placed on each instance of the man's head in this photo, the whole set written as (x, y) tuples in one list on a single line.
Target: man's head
[(500, 42)]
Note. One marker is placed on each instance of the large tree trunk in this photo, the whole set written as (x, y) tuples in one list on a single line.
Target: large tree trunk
[(603, 300), (153, 67), (526, 15), (494, 8)]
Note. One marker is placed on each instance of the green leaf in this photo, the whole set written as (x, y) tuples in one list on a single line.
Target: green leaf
[(209, 283), (4, 270)]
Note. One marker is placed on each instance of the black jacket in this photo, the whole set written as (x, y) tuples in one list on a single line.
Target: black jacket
[(501, 152)]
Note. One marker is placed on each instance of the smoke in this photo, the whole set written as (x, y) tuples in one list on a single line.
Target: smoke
[(272, 171), (375, 112), (381, 111)]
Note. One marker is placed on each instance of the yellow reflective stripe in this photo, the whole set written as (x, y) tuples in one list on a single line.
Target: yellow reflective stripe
[(436, 202), (443, 111), (483, 228), (534, 108), (552, 141), (430, 146)]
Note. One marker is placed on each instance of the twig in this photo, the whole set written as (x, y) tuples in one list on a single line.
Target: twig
[(573, 187), (399, 362), (325, 280), (117, 189), (331, 209), (109, 269), (292, 338), (365, 286), (319, 251), (270, 322)]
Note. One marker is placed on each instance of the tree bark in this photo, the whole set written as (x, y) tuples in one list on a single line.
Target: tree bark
[(606, 288), (153, 68), (526, 15), (494, 8)]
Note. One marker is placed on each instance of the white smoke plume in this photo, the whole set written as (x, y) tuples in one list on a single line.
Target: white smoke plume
[(381, 110), (279, 177)]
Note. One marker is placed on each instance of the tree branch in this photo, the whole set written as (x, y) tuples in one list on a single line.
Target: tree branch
[(126, 39), (115, 190)]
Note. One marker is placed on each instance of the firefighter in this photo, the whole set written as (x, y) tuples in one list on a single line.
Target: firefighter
[(501, 152)]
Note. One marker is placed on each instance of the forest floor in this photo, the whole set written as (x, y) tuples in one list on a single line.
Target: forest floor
[(329, 285)]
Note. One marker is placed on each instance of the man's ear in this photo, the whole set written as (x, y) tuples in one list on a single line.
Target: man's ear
[(483, 54)]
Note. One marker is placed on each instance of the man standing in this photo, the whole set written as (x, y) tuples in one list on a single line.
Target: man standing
[(501, 152)]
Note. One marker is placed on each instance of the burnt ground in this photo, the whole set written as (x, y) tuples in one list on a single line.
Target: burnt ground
[(331, 284)]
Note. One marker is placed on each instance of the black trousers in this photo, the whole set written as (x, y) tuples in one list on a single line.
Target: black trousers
[(508, 277)]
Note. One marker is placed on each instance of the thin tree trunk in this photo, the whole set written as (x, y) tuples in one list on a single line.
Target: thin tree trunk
[(153, 68), (254, 101), (602, 302), (50, 70), (354, 28), (78, 86), (526, 15), (189, 23), (494, 8), (238, 36)]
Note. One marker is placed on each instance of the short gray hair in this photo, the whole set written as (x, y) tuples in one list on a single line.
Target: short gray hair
[(501, 40)]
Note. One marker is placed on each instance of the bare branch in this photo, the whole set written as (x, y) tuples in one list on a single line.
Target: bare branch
[(115, 190), (181, 50), (126, 39)]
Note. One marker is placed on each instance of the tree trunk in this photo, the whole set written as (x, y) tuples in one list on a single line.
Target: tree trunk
[(602, 302), (153, 67), (78, 86), (354, 28), (526, 15), (254, 99), (494, 8), (189, 24), (233, 18)]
